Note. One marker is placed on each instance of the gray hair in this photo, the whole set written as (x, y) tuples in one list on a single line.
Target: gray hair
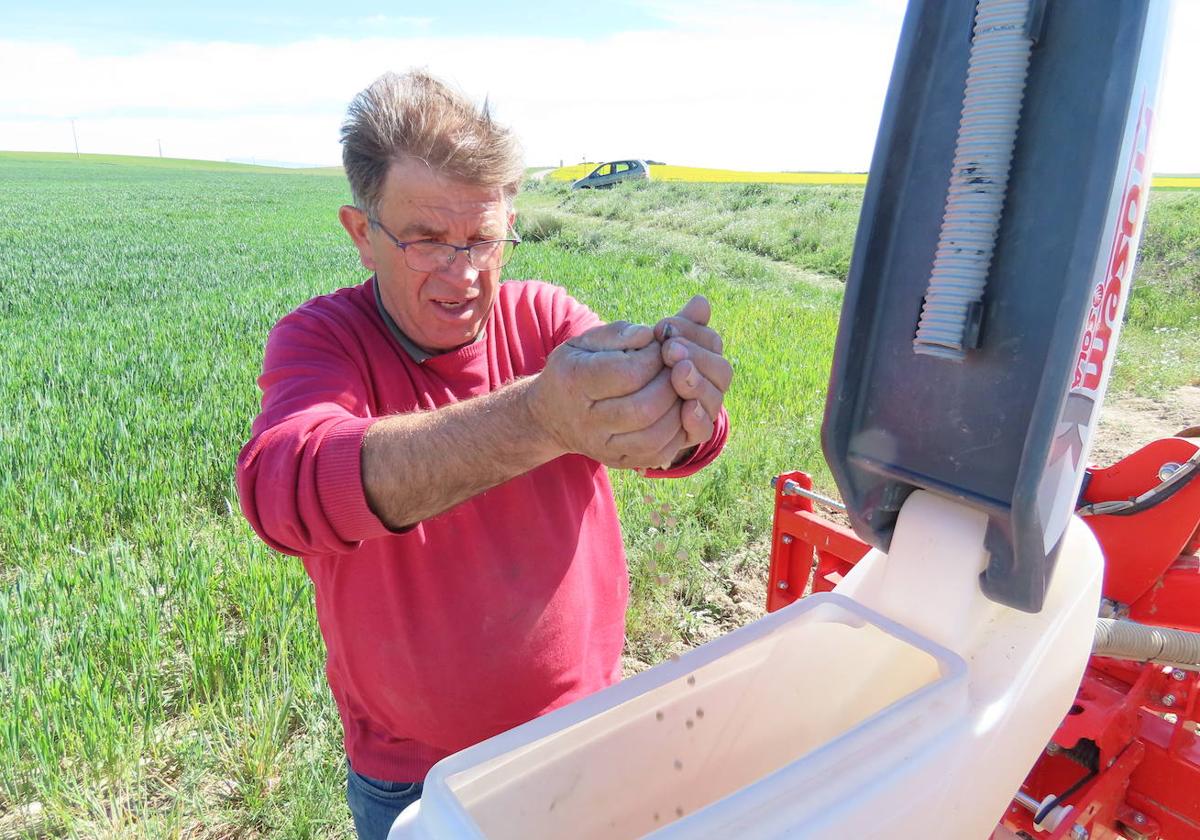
[(420, 117)]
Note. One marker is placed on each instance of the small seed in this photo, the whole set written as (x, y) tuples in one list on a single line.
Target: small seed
[(691, 680), (659, 715), (678, 764)]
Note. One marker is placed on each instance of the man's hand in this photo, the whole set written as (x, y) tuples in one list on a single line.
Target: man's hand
[(616, 394), (700, 373), (607, 394)]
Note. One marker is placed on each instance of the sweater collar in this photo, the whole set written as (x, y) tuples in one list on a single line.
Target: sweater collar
[(414, 352)]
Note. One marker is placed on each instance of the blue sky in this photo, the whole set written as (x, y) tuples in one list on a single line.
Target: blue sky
[(130, 25), (764, 84)]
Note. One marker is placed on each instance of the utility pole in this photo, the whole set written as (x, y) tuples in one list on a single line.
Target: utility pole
[(160, 148), (76, 138)]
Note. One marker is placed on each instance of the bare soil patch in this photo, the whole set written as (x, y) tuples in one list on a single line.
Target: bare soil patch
[(1128, 423)]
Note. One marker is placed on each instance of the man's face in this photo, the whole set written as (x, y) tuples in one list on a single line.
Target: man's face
[(443, 309)]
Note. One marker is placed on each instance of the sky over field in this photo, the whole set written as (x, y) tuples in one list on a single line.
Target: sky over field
[(758, 85)]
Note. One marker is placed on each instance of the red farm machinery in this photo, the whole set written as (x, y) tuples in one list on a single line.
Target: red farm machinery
[(1125, 761)]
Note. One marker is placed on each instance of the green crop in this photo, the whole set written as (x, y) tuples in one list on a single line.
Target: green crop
[(161, 670)]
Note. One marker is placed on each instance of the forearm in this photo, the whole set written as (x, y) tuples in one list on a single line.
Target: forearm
[(418, 465)]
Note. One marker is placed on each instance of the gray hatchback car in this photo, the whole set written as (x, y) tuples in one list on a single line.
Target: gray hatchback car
[(613, 172)]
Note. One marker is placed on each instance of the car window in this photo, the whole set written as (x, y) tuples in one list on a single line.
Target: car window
[(606, 169), (622, 167)]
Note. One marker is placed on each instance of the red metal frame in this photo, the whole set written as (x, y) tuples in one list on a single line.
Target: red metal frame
[(1141, 718), (1156, 537), (803, 543)]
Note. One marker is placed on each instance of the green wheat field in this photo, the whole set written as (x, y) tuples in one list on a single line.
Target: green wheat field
[(161, 671)]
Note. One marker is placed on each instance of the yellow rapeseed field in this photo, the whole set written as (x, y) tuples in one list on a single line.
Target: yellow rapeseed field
[(721, 176), (1176, 181), (733, 176)]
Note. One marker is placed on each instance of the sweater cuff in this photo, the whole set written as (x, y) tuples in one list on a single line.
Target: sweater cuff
[(704, 455), (340, 485)]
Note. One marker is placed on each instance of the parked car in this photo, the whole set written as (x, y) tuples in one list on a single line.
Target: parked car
[(607, 174)]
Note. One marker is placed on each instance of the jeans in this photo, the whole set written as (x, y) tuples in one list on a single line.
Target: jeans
[(375, 804)]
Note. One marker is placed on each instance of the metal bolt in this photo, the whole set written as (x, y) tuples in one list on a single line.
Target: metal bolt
[(1168, 469), (783, 584), (1139, 818), (787, 539), (794, 488), (1078, 832), (1052, 748), (1026, 801), (1178, 675), (1168, 700)]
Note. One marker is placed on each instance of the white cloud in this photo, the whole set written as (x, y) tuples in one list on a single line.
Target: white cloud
[(1177, 140), (720, 95), (772, 86), (280, 138), (762, 15)]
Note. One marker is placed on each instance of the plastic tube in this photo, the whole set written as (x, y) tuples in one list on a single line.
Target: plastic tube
[(1158, 494), (987, 130), (1143, 643)]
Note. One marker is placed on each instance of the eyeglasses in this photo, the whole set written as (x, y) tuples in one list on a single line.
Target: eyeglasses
[(429, 255)]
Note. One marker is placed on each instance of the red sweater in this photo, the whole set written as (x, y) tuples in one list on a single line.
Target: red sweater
[(500, 609)]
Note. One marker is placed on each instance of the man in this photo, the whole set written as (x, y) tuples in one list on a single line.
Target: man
[(433, 445)]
